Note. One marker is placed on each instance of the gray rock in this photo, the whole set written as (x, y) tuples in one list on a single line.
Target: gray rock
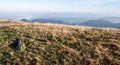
[(19, 44)]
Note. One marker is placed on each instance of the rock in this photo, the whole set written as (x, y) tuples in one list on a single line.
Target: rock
[(19, 46)]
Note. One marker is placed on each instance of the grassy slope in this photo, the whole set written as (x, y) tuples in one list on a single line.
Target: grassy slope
[(56, 44)]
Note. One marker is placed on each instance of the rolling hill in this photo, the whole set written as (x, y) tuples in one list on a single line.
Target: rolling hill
[(58, 44)]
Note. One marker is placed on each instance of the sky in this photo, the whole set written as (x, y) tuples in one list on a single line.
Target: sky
[(107, 7)]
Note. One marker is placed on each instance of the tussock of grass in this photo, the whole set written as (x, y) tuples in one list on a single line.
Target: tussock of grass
[(57, 44)]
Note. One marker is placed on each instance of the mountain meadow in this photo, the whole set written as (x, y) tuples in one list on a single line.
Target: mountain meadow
[(57, 44)]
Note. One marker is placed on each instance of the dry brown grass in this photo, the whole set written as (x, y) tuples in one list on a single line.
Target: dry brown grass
[(57, 44)]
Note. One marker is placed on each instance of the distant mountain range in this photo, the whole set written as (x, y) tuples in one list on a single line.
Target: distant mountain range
[(93, 23), (45, 20), (100, 23)]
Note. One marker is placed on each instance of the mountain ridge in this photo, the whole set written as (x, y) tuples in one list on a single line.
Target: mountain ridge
[(100, 23), (93, 23)]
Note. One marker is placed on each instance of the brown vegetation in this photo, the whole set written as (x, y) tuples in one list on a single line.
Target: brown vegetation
[(57, 44)]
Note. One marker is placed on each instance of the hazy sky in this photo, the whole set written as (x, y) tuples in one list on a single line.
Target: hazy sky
[(81, 6)]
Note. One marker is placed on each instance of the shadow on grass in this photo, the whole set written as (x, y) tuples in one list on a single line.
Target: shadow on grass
[(16, 44)]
